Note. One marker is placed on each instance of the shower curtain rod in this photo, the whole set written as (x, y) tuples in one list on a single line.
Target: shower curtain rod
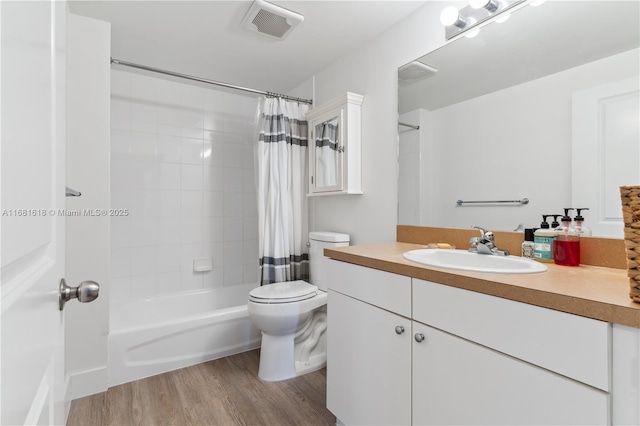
[(204, 80)]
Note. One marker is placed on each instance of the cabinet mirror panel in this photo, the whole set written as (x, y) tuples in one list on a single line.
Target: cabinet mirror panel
[(524, 110), (327, 151)]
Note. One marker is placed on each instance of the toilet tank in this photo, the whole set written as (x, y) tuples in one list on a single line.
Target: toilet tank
[(318, 241)]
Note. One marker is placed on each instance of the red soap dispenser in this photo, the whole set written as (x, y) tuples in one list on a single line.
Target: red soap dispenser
[(566, 247)]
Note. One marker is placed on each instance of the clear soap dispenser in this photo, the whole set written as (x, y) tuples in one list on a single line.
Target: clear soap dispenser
[(581, 228), (566, 247)]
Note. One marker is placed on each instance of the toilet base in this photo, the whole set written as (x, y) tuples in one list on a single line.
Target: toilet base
[(277, 359)]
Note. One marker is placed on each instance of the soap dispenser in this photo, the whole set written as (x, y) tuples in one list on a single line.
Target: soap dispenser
[(543, 239), (581, 229), (566, 247)]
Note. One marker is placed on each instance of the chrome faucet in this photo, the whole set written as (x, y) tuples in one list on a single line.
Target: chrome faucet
[(485, 243)]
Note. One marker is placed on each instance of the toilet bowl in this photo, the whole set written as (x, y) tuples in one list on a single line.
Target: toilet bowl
[(292, 317)]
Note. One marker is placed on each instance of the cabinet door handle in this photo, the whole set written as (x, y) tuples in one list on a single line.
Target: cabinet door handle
[(399, 329), (419, 337)]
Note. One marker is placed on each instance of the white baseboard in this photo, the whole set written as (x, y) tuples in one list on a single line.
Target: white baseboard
[(87, 383)]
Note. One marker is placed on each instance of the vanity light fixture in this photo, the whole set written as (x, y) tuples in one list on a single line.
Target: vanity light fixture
[(469, 18)]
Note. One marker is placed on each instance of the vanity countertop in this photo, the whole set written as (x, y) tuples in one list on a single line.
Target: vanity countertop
[(590, 291)]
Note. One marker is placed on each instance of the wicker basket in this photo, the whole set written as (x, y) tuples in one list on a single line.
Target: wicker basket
[(630, 196)]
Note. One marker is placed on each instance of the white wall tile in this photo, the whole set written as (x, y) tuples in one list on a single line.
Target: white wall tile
[(191, 204), (120, 231), (213, 179), (191, 229), (120, 262), (169, 203), (169, 177), (119, 179), (233, 179), (192, 151), (143, 117), (120, 84), (233, 275), (233, 227), (190, 280), (120, 114), (213, 278), (120, 144), (191, 177), (188, 252), (213, 229), (215, 251), (143, 174), (213, 203), (169, 231), (250, 228), (251, 274), (169, 258), (168, 93), (168, 149), (169, 120), (143, 88), (120, 288), (143, 261), (168, 282), (143, 146), (144, 231), (143, 286), (233, 203), (233, 253)]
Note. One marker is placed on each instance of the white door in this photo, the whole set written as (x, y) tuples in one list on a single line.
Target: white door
[(605, 152), (32, 152)]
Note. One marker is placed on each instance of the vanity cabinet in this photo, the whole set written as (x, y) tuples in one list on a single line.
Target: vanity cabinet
[(335, 146), (461, 358)]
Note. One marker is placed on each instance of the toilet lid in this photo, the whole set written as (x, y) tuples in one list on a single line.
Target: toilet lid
[(285, 292)]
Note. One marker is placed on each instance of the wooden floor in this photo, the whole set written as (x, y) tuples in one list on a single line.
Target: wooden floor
[(226, 391)]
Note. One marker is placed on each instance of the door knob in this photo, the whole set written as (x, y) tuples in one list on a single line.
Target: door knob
[(419, 337), (399, 329), (87, 291)]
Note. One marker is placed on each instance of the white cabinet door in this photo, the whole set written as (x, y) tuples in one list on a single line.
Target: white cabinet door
[(33, 187), (368, 363), (459, 382)]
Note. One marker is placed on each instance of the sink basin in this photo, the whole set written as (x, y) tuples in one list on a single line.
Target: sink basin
[(466, 261)]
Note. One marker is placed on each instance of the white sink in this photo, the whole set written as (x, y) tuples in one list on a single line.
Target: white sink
[(467, 261)]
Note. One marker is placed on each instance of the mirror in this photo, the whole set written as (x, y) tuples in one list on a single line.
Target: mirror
[(500, 120), (327, 151)]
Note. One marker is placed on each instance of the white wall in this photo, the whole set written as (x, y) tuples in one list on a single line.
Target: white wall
[(182, 166), (87, 237), (372, 72)]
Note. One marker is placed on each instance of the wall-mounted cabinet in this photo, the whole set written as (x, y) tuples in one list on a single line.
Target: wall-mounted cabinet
[(335, 146)]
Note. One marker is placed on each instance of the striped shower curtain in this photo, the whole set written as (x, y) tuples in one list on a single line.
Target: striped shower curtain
[(327, 154), (282, 170)]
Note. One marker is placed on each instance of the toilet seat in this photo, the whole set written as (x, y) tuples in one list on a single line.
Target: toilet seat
[(284, 292)]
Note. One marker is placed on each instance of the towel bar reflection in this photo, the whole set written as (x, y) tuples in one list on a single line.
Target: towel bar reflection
[(71, 192), (518, 202)]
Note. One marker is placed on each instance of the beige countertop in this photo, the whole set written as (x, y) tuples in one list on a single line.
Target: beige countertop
[(590, 291)]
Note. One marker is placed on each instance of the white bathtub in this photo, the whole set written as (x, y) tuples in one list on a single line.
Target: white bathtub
[(153, 336)]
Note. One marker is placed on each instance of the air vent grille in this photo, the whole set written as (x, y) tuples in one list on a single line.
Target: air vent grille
[(271, 24), (271, 20)]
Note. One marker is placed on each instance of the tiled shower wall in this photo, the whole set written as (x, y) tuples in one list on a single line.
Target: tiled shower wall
[(182, 164)]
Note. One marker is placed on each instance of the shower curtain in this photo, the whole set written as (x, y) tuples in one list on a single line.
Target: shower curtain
[(282, 173)]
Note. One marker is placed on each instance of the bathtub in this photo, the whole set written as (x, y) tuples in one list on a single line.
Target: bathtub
[(153, 336)]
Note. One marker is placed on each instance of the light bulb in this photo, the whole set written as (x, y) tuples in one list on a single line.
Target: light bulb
[(450, 16)]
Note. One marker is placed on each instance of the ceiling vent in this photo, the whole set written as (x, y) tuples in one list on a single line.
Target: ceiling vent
[(415, 71), (271, 20)]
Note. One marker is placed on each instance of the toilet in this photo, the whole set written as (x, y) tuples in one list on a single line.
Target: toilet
[(292, 316)]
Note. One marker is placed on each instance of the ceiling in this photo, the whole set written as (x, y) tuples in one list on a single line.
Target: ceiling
[(205, 39)]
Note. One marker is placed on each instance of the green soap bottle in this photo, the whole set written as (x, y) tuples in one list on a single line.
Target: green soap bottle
[(543, 240)]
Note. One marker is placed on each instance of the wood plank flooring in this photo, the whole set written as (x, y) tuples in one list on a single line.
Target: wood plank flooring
[(222, 392)]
